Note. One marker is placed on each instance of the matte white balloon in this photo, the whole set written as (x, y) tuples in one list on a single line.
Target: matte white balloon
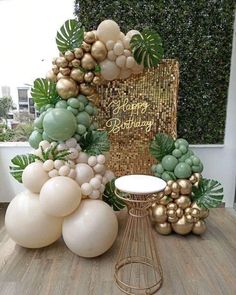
[(130, 62), (122, 35), (131, 33), (71, 143), (84, 173), (127, 52), (92, 161), (53, 173), (91, 229), (109, 70), (108, 30), (48, 165), (126, 42), (58, 164), (125, 73), (101, 159), (64, 170), (82, 158), (109, 175), (121, 61), (60, 196), (95, 194), (28, 225), (34, 177), (110, 44), (118, 48), (95, 182), (111, 55), (44, 144), (86, 189)]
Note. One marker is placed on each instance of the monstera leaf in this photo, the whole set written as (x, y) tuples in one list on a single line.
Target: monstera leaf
[(208, 194), (70, 36), (20, 163), (161, 146), (110, 197), (95, 142), (44, 92), (147, 48)]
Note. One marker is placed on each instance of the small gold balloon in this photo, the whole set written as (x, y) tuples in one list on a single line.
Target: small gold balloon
[(199, 227), (167, 190), (65, 71), (174, 195), (196, 219), (195, 212), (61, 62), (55, 69), (89, 37), (171, 213), (182, 227), (77, 75), (69, 55), (88, 77), (175, 187), (94, 98), (188, 210), (179, 212), (88, 62), (78, 52), (59, 76), (163, 228), (75, 63), (54, 60), (183, 202), (51, 76), (86, 89), (193, 179), (198, 176), (189, 218), (86, 47), (185, 186), (165, 200), (160, 195), (97, 80), (99, 51), (172, 219), (170, 182), (67, 88), (172, 206), (159, 213)]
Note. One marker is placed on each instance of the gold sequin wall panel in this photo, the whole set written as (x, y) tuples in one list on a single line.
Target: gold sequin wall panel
[(134, 110)]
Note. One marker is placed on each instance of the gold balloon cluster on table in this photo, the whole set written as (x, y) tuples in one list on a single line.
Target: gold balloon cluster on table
[(175, 210)]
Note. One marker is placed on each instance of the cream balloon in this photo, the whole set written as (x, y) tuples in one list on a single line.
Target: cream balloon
[(34, 176), (109, 70), (130, 62), (121, 61), (91, 229), (60, 196), (110, 44), (108, 30), (125, 73), (111, 55), (28, 225), (137, 69), (84, 173), (118, 48), (131, 33)]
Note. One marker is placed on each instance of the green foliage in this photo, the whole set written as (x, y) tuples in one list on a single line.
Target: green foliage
[(147, 48), (199, 35), (53, 154), (95, 142), (161, 146), (44, 92), (6, 134), (22, 132), (110, 197), (208, 194), (70, 36), (20, 162), (6, 104)]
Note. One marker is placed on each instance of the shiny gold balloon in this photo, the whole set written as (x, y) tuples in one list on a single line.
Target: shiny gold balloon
[(61, 62), (185, 186), (159, 213), (77, 75), (189, 218), (160, 195), (88, 62), (86, 47), (163, 228), (59, 76), (179, 212), (55, 69), (86, 89), (198, 176), (89, 37), (199, 227), (174, 195), (167, 190), (78, 52), (175, 187), (65, 71), (51, 76), (75, 63), (170, 182), (183, 201), (195, 212), (188, 210), (173, 219), (88, 77), (165, 200), (182, 227), (54, 60), (97, 80), (69, 55), (67, 88), (195, 219), (99, 51), (94, 98), (172, 206), (204, 212), (171, 213)]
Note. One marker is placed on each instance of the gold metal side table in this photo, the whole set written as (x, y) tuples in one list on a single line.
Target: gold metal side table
[(138, 269)]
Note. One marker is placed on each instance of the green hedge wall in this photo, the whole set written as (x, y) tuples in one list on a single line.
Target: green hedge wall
[(198, 34)]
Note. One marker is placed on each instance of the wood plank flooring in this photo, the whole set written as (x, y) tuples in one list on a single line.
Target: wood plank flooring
[(192, 265)]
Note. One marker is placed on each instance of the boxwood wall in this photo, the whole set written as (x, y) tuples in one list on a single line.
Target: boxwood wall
[(198, 34)]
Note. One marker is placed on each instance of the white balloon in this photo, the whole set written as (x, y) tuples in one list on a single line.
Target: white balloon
[(92, 161), (131, 33), (91, 229), (73, 153), (108, 30), (127, 52), (72, 173), (118, 48), (126, 42), (109, 70), (53, 173), (121, 61), (95, 194), (111, 55), (102, 188), (28, 225), (110, 44), (99, 168), (58, 164), (44, 144), (122, 35), (84, 173), (34, 177), (95, 182), (101, 159), (48, 165), (109, 175), (86, 189), (64, 170), (130, 62), (60, 196), (82, 158), (125, 73)]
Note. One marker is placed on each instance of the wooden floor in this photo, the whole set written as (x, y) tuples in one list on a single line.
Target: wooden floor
[(192, 265)]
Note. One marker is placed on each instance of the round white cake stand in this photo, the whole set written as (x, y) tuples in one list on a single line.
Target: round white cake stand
[(138, 269)]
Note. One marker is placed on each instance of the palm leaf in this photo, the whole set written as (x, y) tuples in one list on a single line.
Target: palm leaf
[(20, 162), (208, 194), (147, 48), (95, 142), (110, 197), (161, 146), (70, 36), (44, 92)]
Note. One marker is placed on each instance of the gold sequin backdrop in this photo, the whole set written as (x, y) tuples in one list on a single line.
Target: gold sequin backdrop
[(134, 110)]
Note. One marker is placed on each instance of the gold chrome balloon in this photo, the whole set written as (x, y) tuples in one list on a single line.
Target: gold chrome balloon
[(51, 76), (170, 182), (94, 98), (204, 212), (163, 228), (193, 179), (159, 213), (88, 62), (69, 55), (174, 195), (77, 75), (61, 62), (65, 71), (86, 89), (171, 213), (172, 206), (195, 212), (182, 227), (67, 88), (86, 47), (172, 219), (55, 69), (99, 51), (167, 190), (89, 37), (175, 187), (189, 218), (188, 210), (97, 80), (199, 227), (165, 200), (59, 76), (179, 212), (183, 202), (185, 186), (75, 63), (78, 52), (88, 77)]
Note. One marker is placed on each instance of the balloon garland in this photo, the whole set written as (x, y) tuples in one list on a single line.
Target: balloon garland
[(65, 176)]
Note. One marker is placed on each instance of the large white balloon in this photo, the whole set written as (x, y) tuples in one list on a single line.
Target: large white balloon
[(109, 70), (91, 229), (108, 30), (84, 173), (28, 225), (34, 177), (60, 196)]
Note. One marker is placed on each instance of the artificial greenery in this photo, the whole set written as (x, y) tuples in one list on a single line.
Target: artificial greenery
[(70, 35), (199, 35), (208, 193), (20, 162), (161, 146), (110, 197), (95, 142), (147, 48), (53, 154), (44, 92)]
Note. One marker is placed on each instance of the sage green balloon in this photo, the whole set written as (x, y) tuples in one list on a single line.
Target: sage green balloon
[(35, 138), (83, 118), (59, 124), (183, 170), (73, 110), (73, 102), (61, 104)]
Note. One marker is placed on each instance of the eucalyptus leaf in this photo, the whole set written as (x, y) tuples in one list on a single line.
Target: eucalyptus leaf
[(95, 142), (20, 162), (161, 146), (147, 48), (110, 197), (70, 36), (208, 194)]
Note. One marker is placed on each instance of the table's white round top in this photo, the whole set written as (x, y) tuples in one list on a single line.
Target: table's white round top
[(140, 184)]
